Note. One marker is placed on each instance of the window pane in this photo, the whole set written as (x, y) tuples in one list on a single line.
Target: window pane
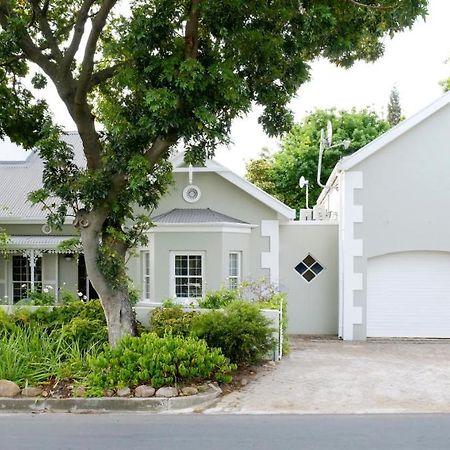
[(181, 287), (317, 268), (309, 261), (147, 263), (308, 275), (195, 265), (233, 283), (181, 265), (195, 287), (233, 265)]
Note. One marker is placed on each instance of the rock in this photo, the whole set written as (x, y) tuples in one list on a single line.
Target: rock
[(167, 391), (244, 382), (31, 391), (124, 392), (8, 389), (109, 393), (203, 388), (79, 391), (271, 363), (144, 391), (189, 390)]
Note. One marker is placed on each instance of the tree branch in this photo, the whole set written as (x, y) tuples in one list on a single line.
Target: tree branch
[(46, 30), (103, 75), (160, 147), (364, 5), (78, 31), (191, 32), (87, 66)]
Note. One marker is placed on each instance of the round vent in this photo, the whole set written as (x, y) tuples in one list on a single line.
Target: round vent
[(192, 193), (46, 229)]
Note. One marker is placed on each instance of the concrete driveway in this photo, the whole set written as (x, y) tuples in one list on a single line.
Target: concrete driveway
[(331, 376)]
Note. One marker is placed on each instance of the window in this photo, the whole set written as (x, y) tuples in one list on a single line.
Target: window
[(146, 276), (309, 268), (188, 275), (21, 274), (234, 270)]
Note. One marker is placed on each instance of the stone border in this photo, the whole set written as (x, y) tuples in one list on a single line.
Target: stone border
[(110, 404)]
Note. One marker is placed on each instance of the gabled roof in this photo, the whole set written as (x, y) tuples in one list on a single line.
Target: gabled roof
[(197, 216), (380, 142), (377, 144), (213, 166), (19, 178)]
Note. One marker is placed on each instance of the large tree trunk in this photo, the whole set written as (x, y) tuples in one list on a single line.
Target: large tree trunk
[(115, 301)]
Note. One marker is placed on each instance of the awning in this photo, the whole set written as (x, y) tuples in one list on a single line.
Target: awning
[(47, 244)]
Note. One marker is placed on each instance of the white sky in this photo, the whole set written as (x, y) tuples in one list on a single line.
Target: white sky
[(414, 61)]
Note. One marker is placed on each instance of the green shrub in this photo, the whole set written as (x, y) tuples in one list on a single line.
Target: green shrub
[(171, 320), (29, 356), (157, 361), (218, 299), (241, 331), (85, 332)]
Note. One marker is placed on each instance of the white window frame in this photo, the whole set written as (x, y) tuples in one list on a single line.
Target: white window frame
[(146, 276), (172, 275), (239, 270)]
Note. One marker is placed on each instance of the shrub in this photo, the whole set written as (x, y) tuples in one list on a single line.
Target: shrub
[(30, 356), (85, 332), (157, 361), (241, 331), (218, 299), (171, 320)]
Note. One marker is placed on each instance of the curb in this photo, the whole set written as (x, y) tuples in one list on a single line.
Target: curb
[(110, 404)]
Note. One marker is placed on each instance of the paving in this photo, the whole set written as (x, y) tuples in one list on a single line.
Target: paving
[(323, 376)]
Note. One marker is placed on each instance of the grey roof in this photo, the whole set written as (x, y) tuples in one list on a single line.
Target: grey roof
[(192, 215), (38, 242), (18, 178)]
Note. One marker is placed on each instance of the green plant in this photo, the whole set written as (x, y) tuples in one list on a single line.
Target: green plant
[(241, 331), (66, 296), (85, 332), (29, 356), (218, 299), (157, 361), (171, 320)]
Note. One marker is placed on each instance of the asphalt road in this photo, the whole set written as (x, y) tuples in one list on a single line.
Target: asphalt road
[(227, 432)]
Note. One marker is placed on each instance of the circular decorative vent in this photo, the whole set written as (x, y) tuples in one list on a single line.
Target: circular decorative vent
[(46, 229), (192, 193)]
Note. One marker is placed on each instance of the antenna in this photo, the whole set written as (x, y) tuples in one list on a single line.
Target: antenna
[(329, 133)]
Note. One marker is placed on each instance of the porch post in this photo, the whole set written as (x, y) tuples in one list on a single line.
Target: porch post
[(32, 266)]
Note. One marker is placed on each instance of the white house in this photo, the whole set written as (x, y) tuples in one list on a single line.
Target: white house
[(374, 262)]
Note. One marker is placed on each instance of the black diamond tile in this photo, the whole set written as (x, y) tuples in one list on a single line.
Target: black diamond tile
[(300, 268), (316, 268), (309, 276), (309, 261)]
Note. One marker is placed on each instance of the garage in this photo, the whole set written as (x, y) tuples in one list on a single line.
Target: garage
[(408, 295)]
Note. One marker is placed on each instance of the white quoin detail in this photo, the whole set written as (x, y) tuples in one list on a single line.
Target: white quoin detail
[(271, 259), (191, 174)]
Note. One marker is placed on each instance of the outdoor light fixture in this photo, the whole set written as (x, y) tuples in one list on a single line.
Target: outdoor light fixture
[(302, 183)]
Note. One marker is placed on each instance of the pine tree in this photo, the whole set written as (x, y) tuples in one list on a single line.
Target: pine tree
[(394, 109)]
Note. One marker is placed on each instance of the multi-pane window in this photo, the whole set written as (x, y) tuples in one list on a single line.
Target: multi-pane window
[(21, 274), (234, 270), (188, 275), (146, 275)]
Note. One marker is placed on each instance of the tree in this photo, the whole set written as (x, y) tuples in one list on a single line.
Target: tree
[(394, 108), (137, 82), (299, 151)]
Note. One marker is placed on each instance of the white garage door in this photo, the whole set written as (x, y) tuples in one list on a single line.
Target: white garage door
[(408, 295)]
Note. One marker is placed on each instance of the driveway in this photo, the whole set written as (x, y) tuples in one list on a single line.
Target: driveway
[(331, 376)]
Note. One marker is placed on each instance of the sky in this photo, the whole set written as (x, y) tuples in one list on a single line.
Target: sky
[(414, 61)]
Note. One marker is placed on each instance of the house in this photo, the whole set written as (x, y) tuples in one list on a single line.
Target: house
[(373, 262)]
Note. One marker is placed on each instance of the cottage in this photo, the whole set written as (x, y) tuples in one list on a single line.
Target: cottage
[(371, 261)]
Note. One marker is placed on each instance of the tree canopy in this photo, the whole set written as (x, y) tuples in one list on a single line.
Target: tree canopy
[(138, 79), (279, 174)]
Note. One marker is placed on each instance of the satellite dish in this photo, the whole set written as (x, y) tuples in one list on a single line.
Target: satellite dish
[(302, 182), (329, 132)]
